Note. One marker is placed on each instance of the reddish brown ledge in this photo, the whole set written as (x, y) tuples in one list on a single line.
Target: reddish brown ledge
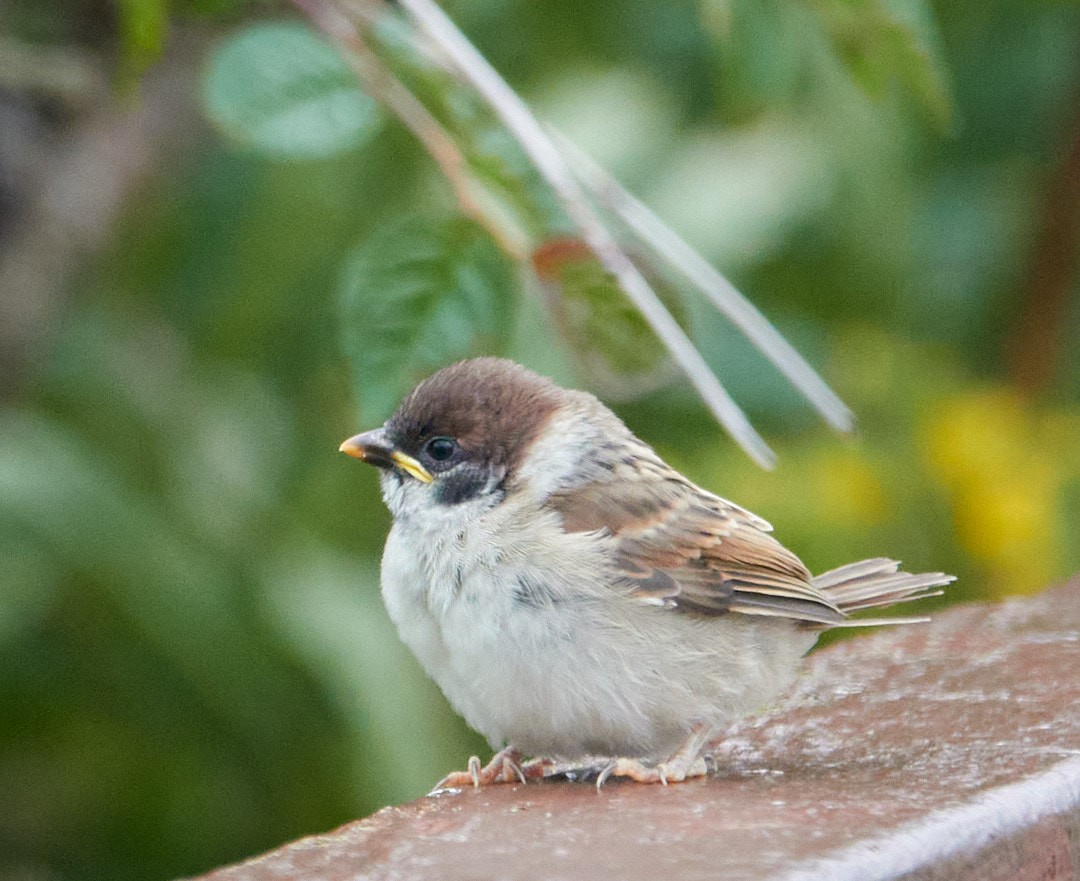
[(950, 750)]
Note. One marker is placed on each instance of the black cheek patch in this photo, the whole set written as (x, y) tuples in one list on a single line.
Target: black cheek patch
[(460, 485)]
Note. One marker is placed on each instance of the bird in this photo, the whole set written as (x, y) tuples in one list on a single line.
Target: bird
[(576, 597)]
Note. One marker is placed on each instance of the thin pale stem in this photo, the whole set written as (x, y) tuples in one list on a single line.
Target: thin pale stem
[(549, 162), (667, 244)]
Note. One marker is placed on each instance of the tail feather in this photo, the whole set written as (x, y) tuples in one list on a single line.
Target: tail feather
[(872, 584), (855, 571)]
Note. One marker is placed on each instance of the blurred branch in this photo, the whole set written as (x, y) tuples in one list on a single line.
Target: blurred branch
[(69, 74), (83, 184), (1052, 272), (351, 22), (381, 84)]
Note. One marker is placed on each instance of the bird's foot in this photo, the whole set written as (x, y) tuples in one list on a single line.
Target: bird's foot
[(505, 767), (664, 773), (685, 763)]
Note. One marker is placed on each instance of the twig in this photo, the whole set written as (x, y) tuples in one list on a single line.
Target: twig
[(69, 74), (549, 162), (384, 87), (1039, 330), (77, 187), (722, 293)]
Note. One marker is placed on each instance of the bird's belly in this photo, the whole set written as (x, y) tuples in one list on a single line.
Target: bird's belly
[(527, 670), (577, 672), (536, 677)]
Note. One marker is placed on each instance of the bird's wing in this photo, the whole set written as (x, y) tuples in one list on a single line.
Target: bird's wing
[(682, 548)]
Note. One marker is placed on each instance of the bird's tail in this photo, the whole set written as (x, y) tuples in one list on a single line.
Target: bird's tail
[(871, 584)]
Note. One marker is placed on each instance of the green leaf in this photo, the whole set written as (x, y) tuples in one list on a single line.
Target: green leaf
[(416, 296), (764, 48), (880, 41), (281, 89), (608, 337), (495, 161)]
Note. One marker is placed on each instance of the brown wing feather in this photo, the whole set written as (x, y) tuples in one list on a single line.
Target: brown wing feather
[(683, 548)]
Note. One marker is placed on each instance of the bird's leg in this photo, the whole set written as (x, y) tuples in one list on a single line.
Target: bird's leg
[(505, 767), (684, 763)]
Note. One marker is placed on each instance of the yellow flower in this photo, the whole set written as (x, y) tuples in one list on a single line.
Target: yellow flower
[(1003, 461), (1008, 525)]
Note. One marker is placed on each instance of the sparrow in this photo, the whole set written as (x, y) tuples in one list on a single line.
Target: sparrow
[(573, 595)]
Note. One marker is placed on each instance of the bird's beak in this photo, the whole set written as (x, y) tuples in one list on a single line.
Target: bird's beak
[(374, 448)]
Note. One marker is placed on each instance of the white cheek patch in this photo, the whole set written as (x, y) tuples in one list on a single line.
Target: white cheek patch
[(559, 458)]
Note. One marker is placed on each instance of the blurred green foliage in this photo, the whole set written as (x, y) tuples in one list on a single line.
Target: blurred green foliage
[(280, 89), (194, 660)]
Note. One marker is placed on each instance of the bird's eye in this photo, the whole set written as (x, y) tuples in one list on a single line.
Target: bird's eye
[(440, 448)]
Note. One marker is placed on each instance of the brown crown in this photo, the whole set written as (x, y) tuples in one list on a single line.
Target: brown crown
[(493, 407)]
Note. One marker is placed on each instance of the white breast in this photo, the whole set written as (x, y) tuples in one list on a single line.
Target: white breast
[(492, 628)]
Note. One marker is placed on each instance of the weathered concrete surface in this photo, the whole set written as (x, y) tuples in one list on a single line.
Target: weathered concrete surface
[(944, 751)]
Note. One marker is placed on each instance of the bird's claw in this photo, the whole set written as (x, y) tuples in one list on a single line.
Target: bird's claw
[(504, 767)]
